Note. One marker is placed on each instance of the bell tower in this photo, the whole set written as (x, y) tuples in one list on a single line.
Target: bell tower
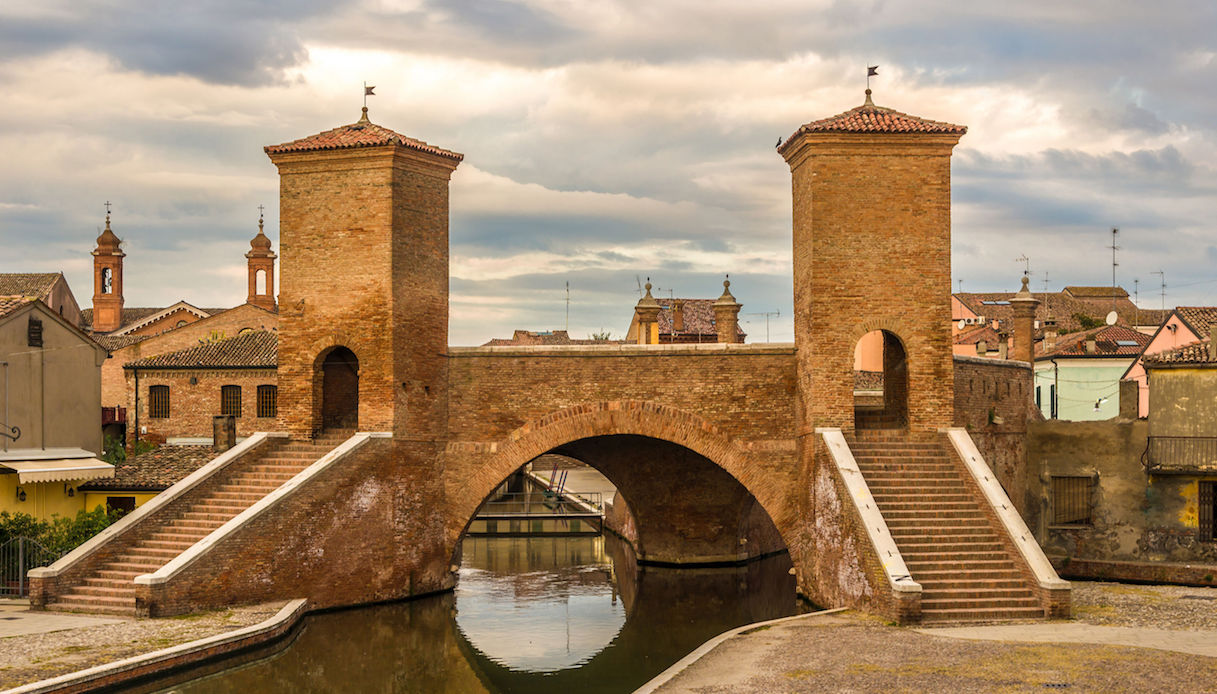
[(261, 260), (872, 252), (363, 298), (108, 280)]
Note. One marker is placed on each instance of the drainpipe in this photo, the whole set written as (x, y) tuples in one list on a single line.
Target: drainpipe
[(5, 365), (136, 372), (42, 394), (1056, 389)]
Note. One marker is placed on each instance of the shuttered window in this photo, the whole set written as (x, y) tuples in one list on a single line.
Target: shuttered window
[(158, 402), (230, 400), (1071, 500), (268, 401), (1208, 499)]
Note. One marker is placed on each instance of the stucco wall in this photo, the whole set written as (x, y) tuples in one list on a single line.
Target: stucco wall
[(1183, 402)]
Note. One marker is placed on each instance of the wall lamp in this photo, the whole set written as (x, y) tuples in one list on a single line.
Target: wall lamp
[(69, 490), (20, 494)]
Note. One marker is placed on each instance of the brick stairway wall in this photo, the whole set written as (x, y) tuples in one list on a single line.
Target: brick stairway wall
[(47, 591), (947, 532), (355, 533)]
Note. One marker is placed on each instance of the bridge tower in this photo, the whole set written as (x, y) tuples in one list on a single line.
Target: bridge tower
[(872, 252), (363, 303)]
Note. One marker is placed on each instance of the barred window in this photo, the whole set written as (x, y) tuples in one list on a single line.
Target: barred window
[(268, 401), (1208, 508), (158, 402), (1071, 500), (230, 400)]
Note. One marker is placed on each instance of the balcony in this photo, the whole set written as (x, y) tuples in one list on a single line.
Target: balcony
[(113, 415), (1181, 455)]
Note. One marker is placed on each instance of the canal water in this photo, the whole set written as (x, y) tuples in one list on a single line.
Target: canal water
[(529, 614)]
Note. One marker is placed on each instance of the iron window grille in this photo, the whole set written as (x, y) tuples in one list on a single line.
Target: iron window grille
[(1071, 500), (230, 400), (1208, 500), (158, 402), (268, 401)]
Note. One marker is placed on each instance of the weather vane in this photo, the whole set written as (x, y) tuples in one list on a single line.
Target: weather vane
[(367, 91), (871, 71)]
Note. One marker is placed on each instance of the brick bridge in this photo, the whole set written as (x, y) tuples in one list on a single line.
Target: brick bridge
[(724, 452)]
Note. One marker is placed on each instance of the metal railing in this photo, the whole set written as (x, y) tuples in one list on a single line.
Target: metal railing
[(1180, 453), (18, 556), (543, 503)]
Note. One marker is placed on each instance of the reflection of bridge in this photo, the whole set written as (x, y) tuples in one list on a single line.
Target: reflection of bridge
[(723, 452)]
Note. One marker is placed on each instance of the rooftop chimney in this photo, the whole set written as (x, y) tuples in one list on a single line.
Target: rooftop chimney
[(678, 316), (1023, 305), (1049, 333), (1092, 345)]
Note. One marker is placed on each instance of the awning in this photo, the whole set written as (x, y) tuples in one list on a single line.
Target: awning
[(59, 470)]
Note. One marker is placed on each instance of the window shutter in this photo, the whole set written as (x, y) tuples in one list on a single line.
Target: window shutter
[(1206, 510)]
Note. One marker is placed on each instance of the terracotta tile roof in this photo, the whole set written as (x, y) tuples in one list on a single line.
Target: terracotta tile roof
[(698, 321), (545, 337), (1062, 306), (116, 342), (1195, 353), (976, 334), (258, 349), (363, 133), (1199, 318), (869, 118), (154, 471), (1108, 341), (1079, 292), (130, 315), (34, 284), (8, 304)]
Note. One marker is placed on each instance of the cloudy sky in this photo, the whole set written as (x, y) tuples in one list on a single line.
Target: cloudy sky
[(609, 141)]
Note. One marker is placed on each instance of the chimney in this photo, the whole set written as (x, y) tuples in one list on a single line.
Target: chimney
[(1049, 333), (1092, 345), (1213, 342), (726, 315), (647, 313), (1024, 305), (223, 432), (1003, 345), (982, 348), (678, 316)]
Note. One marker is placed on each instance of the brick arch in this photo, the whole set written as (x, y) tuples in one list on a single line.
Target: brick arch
[(636, 417), (321, 349), (895, 326)]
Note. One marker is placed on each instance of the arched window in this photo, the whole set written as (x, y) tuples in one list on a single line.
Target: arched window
[(107, 280), (268, 401), (230, 400), (158, 402), (180, 324), (260, 282)]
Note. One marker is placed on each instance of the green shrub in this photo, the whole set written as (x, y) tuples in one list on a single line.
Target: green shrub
[(60, 534)]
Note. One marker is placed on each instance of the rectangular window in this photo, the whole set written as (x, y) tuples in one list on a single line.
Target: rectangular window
[(268, 401), (1071, 500), (158, 402), (1038, 406), (230, 400), (123, 504), (1208, 508), (1052, 400)]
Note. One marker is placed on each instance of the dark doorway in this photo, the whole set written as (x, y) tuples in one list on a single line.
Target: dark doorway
[(340, 390), (881, 382)]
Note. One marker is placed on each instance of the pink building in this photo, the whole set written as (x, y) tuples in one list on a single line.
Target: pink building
[(1184, 326)]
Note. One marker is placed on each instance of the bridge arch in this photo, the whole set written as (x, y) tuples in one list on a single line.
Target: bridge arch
[(570, 431)]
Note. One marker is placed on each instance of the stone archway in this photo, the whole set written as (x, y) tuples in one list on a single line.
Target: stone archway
[(881, 378), (622, 439), (339, 389)]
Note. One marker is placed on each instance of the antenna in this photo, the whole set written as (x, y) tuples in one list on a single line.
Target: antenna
[(1162, 275), (568, 307), (767, 316), (1045, 281), (1026, 264), (1114, 265), (639, 281), (960, 286)]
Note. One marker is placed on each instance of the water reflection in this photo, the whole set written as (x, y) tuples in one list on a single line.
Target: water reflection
[(555, 614)]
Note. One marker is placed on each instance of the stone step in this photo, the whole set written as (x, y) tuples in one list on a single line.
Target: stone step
[(978, 584), (87, 602), (921, 557), (956, 567), (929, 506), (985, 614), (967, 594), (895, 520), (140, 551), (177, 546), (936, 576), (247, 496), (173, 534), (917, 488), (905, 531), (138, 565), (120, 592), (949, 547), (91, 608), (947, 497), (189, 524), (115, 575), (936, 605)]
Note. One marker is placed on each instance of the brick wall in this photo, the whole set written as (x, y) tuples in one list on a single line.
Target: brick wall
[(114, 388), (993, 401), (192, 406)]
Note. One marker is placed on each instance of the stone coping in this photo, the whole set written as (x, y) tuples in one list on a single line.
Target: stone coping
[(620, 350), (153, 505), (1014, 525), (987, 361), (701, 651), (165, 659), (898, 576), (217, 536)]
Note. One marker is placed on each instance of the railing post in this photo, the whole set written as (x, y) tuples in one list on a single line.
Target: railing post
[(20, 566)]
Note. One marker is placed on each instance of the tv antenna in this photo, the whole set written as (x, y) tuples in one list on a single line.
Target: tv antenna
[(1114, 232), (1162, 276), (1026, 264), (568, 307), (767, 316)]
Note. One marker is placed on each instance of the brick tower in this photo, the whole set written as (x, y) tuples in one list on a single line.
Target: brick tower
[(107, 281), (872, 251), (364, 286), (261, 260)]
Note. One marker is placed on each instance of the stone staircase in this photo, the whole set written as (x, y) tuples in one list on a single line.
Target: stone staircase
[(948, 541), (111, 588)]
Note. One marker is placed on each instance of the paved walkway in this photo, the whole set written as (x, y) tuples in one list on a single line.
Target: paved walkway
[(582, 481), (16, 619), (1194, 642)]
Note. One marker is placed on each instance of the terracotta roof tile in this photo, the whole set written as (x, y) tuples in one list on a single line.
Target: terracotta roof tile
[(363, 133), (869, 118), (1096, 292), (156, 470), (130, 315), (1108, 341), (698, 321), (1063, 307), (33, 284), (1199, 318), (545, 337), (258, 349), (1195, 353), (8, 304)]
